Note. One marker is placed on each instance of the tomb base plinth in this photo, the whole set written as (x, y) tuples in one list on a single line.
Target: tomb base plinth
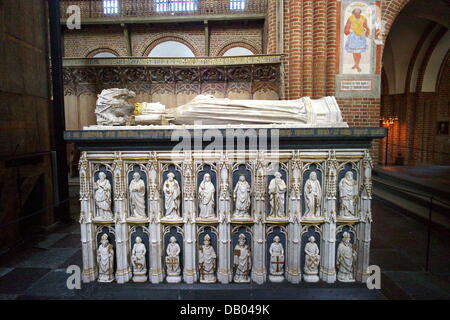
[(276, 164)]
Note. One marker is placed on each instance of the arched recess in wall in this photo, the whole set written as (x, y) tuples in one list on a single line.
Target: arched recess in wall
[(103, 53), (238, 49), (170, 47)]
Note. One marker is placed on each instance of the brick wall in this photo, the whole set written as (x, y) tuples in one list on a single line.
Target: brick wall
[(92, 39), (80, 43)]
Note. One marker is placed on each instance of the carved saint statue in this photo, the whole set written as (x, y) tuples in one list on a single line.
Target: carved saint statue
[(346, 258), (137, 196), (105, 260), (242, 197), (242, 260), (313, 195), (102, 197), (276, 260), (172, 194), (277, 190), (173, 261), (312, 260), (207, 261), (138, 259), (206, 197), (348, 193)]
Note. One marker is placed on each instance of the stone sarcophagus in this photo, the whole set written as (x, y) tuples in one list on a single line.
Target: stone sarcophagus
[(161, 204)]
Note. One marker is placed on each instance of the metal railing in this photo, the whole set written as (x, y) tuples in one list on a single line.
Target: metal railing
[(93, 9)]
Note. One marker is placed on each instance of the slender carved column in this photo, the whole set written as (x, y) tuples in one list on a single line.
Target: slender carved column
[(259, 273), (224, 272), (364, 227), (87, 233), (293, 269), (189, 271), (154, 213), (327, 266), (123, 272)]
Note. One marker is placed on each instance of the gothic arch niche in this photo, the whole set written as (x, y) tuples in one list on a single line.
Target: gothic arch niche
[(351, 230), (111, 233), (103, 192), (277, 268), (236, 231), (245, 170), (276, 209), (208, 210), (143, 233), (175, 169), (318, 168), (346, 205), (307, 232), (213, 234), (141, 171), (177, 232)]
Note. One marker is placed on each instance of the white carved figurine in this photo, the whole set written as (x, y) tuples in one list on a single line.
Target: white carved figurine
[(105, 260), (277, 190), (172, 194), (348, 193), (313, 196), (346, 258), (312, 260), (138, 259), (206, 197), (207, 261), (137, 196), (112, 107), (242, 260), (102, 197), (242, 197), (276, 260), (173, 261)]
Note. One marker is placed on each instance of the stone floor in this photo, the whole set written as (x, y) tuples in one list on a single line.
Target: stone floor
[(398, 247)]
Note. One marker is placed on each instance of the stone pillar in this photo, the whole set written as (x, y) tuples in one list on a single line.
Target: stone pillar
[(293, 266), (190, 270), (87, 231), (156, 273), (224, 272), (90, 271), (123, 271), (189, 214), (364, 227), (259, 274), (328, 242)]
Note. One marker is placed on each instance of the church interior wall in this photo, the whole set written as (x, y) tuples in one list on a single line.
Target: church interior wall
[(415, 92), (26, 185)]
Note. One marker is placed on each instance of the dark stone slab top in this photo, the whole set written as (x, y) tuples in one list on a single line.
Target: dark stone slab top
[(166, 139)]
